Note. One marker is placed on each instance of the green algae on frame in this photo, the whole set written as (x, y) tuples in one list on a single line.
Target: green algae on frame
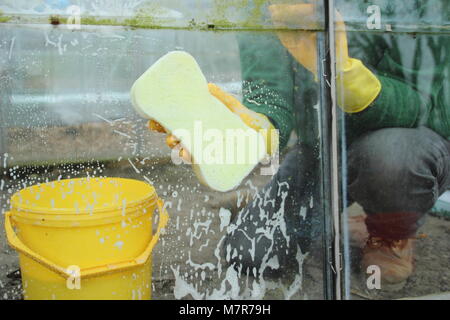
[(253, 21), (4, 18), (254, 9), (152, 17), (100, 21)]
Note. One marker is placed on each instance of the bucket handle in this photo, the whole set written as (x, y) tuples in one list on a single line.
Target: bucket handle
[(18, 245)]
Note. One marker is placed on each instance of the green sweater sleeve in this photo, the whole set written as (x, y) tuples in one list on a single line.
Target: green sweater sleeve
[(413, 93), (397, 105), (267, 80)]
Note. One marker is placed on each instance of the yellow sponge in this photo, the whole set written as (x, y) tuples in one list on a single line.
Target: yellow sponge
[(174, 92)]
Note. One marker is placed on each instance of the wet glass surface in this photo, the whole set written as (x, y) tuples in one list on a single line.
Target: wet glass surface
[(395, 150), (67, 113)]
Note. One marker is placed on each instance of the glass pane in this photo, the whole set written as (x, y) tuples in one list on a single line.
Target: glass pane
[(394, 88), (66, 113)]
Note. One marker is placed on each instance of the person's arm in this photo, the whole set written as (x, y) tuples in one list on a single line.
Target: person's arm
[(267, 76), (370, 100), (397, 105), (404, 103)]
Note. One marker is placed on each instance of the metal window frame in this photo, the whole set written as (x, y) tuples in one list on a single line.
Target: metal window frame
[(336, 285)]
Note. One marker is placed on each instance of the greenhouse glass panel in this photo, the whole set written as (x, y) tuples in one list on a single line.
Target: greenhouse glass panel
[(71, 133), (395, 147)]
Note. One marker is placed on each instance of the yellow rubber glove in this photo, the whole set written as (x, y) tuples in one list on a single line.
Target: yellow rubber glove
[(254, 120), (171, 140), (357, 86)]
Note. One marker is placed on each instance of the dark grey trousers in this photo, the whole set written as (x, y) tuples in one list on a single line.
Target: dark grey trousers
[(395, 174)]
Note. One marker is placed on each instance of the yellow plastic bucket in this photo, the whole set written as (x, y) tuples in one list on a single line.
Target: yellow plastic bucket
[(88, 238)]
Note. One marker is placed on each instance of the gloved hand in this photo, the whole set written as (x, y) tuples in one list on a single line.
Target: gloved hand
[(254, 120), (357, 86), (171, 140)]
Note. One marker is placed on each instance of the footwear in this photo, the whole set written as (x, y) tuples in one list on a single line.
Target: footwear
[(393, 257), (357, 230)]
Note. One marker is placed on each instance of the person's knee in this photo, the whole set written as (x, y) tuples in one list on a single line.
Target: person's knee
[(396, 170), (376, 162)]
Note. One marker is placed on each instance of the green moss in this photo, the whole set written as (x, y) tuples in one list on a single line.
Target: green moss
[(141, 22), (223, 23), (254, 18), (254, 12), (138, 21), (96, 21), (257, 12), (148, 17), (4, 18)]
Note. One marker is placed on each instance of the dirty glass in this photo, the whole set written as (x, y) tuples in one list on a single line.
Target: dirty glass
[(394, 88), (66, 112), (204, 14)]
